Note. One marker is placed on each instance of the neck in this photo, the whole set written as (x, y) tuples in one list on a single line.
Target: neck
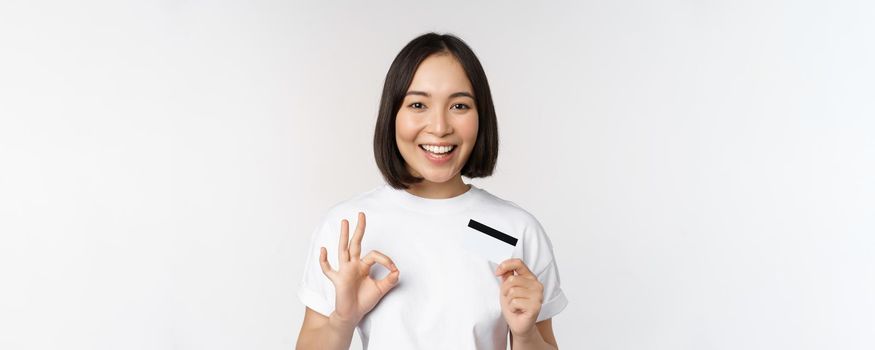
[(439, 190)]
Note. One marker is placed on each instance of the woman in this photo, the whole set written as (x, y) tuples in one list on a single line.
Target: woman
[(436, 124)]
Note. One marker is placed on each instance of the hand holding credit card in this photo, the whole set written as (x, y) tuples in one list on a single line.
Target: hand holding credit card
[(489, 243)]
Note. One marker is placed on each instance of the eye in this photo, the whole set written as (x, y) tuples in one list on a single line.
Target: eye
[(461, 106), (416, 105)]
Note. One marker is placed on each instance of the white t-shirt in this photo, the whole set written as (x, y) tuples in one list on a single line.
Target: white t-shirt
[(446, 297)]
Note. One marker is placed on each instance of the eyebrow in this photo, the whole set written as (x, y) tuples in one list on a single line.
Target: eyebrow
[(455, 94)]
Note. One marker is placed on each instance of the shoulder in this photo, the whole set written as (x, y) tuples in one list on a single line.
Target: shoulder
[(536, 248), (329, 222), (348, 208), (510, 210)]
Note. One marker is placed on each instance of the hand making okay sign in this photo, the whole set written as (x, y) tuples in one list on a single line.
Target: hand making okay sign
[(356, 292), (521, 295)]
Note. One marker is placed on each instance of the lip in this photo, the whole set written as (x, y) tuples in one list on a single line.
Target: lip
[(438, 160)]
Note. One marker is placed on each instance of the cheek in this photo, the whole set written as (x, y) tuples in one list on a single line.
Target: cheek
[(468, 130), (405, 129)]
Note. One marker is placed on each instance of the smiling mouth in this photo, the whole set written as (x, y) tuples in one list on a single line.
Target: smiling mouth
[(438, 150)]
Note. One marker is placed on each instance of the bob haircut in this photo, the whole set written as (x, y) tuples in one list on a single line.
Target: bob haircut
[(483, 157)]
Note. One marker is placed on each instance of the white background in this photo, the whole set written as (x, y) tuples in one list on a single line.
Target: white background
[(705, 169)]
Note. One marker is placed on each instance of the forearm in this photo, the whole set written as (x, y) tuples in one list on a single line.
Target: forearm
[(333, 335), (530, 341)]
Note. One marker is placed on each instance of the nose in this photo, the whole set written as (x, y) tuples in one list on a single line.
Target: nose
[(439, 124)]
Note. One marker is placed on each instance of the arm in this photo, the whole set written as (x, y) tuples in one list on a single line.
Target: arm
[(542, 339), (324, 333)]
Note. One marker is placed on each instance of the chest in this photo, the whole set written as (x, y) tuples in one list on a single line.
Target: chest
[(442, 289)]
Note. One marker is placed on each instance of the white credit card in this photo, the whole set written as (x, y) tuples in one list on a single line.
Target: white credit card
[(488, 243)]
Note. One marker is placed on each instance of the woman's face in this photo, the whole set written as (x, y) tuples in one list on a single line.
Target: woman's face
[(436, 126)]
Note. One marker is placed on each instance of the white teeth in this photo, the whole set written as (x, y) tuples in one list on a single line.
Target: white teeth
[(438, 149)]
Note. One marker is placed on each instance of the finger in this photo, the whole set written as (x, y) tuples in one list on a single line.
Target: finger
[(524, 293), (390, 281), (519, 287), (342, 251), (355, 247), (519, 304), (377, 257), (515, 265), (521, 301), (386, 283), (505, 275), (516, 281), (323, 262), (515, 292)]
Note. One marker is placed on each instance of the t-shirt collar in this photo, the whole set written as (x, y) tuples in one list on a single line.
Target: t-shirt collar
[(431, 205)]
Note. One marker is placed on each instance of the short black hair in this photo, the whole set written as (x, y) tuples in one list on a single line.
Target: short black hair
[(483, 157)]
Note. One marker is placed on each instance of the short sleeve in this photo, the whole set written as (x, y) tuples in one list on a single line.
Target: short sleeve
[(554, 298), (538, 256), (316, 290)]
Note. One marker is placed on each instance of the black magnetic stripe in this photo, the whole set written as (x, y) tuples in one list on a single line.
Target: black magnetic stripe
[(492, 232)]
